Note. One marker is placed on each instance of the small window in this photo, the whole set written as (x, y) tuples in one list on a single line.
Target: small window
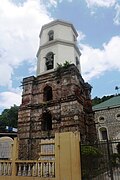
[(103, 133), (101, 119), (47, 93), (46, 122), (118, 116), (49, 60), (51, 35), (77, 61)]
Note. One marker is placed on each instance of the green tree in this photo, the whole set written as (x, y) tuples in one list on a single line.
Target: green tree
[(90, 157), (9, 117), (96, 100)]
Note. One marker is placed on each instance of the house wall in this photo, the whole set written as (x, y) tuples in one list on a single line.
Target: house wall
[(62, 32), (110, 122)]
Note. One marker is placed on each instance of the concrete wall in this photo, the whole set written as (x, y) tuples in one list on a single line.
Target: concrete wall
[(62, 52), (62, 32), (63, 45)]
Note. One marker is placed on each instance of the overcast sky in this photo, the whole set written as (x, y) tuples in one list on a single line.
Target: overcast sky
[(98, 26)]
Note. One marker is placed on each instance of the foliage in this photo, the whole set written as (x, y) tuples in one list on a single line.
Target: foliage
[(60, 67), (9, 117), (90, 158), (116, 87), (66, 64), (96, 100), (115, 159), (90, 151)]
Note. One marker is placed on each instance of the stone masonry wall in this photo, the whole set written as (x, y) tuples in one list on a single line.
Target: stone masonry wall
[(110, 121), (70, 109)]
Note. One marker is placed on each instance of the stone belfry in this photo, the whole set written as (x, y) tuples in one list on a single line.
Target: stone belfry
[(57, 99)]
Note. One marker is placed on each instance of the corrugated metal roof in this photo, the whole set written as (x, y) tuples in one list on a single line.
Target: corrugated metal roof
[(110, 103)]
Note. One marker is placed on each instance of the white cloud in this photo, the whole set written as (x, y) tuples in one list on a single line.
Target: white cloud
[(94, 4), (50, 3), (20, 26), (94, 62), (81, 36), (100, 3), (54, 3), (8, 99), (5, 75), (117, 16), (19, 31)]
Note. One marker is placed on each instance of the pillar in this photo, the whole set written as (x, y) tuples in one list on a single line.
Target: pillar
[(67, 156)]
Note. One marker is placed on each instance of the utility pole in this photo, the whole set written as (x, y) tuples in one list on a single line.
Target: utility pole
[(117, 89)]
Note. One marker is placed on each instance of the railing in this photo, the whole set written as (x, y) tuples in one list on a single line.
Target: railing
[(28, 168), (36, 168), (5, 168), (44, 167)]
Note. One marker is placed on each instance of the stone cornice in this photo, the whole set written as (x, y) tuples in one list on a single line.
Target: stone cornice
[(58, 41)]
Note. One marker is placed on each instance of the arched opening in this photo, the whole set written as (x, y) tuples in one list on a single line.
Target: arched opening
[(51, 35), (46, 122), (103, 133), (6, 147), (49, 60), (47, 93)]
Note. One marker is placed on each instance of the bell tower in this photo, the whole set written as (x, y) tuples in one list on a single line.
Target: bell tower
[(57, 99), (58, 43)]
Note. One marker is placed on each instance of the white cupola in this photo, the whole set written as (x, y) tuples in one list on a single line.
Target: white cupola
[(58, 43)]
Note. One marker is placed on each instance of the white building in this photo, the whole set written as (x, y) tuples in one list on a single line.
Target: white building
[(58, 43)]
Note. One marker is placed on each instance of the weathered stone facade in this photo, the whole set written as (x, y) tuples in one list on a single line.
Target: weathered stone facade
[(57, 101), (107, 118), (111, 123)]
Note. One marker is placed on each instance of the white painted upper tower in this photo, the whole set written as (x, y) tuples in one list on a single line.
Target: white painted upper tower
[(58, 43)]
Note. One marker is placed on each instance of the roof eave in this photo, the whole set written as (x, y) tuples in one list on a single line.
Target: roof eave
[(58, 21)]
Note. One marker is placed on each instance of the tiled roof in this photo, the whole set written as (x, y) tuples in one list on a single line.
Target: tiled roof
[(112, 102)]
